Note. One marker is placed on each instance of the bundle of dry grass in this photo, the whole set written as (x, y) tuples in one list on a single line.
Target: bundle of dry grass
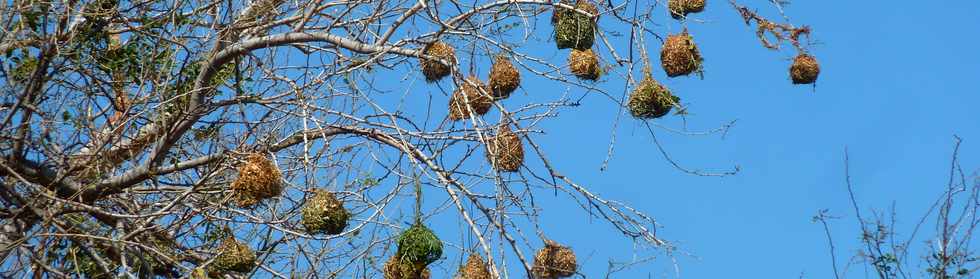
[(324, 213), (394, 269), (584, 64), (681, 8), (573, 29), (505, 150), (504, 78), (554, 261), (433, 69), (475, 268), (651, 100), (233, 256), (805, 69), (258, 179), (680, 56), (471, 98)]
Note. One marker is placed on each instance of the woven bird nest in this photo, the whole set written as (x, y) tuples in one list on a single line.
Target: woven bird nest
[(504, 78), (394, 269), (258, 179), (651, 99), (505, 151), (681, 8), (323, 213), (554, 261), (468, 100), (573, 29), (805, 69), (418, 247), (584, 64), (233, 256), (433, 69), (475, 268), (680, 56)]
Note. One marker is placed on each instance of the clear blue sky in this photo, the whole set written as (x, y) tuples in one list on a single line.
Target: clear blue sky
[(898, 81)]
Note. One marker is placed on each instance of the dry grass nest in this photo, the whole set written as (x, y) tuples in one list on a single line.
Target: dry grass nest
[(681, 8), (554, 261), (584, 64), (258, 179), (324, 213), (504, 78), (233, 256), (469, 99), (651, 100), (394, 269), (475, 268), (573, 29), (680, 56), (505, 150), (805, 69), (433, 69)]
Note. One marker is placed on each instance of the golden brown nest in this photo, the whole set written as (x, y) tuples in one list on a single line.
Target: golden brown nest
[(681, 8), (394, 269), (475, 268), (584, 64), (433, 69), (805, 69), (258, 179), (504, 78), (680, 56), (554, 261), (505, 150), (471, 98)]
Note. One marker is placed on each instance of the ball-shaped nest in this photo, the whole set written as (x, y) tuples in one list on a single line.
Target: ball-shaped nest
[(394, 269), (471, 98), (651, 99), (680, 56), (505, 151), (233, 256), (432, 68), (504, 78), (584, 64), (324, 213), (573, 29), (554, 261), (475, 268), (805, 69), (681, 8), (419, 246), (258, 178)]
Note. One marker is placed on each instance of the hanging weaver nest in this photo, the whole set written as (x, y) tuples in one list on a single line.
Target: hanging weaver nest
[(433, 69), (323, 213), (584, 64), (504, 78), (554, 261), (393, 269), (680, 8), (417, 248), (233, 256), (651, 99), (573, 29), (805, 69), (680, 56), (475, 268), (469, 99), (258, 179), (505, 150)]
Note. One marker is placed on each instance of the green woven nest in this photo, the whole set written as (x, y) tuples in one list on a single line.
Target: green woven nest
[(433, 69), (475, 268), (419, 246), (651, 100), (573, 29), (554, 261), (805, 69), (681, 8), (324, 213), (394, 269), (504, 78), (680, 56), (233, 256)]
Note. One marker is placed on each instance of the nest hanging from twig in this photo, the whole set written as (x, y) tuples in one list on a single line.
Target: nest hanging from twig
[(651, 99), (554, 261), (681, 8), (505, 150), (584, 64), (469, 100), (433, 69), (418, 247), (394, 269), (475, 268), (258, 179), (805, 69), (680, 56), (573, 29), (233, 256), (324, 213), (504, 78)]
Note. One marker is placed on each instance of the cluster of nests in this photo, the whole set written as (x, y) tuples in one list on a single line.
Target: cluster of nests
[(418, 247), (576, 30), (554, 261)]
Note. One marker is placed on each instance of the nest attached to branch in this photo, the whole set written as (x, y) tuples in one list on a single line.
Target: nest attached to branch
[(417, 248), (805, 69), (468, 100), (651, 100), (433, 69), (505, 150), (475, 268), (233, 256), (394, 269), (258, 179), (504, 78), (681, 8), (324, 213), (573, 29), (584, 64), (680, 56), (554, 261)]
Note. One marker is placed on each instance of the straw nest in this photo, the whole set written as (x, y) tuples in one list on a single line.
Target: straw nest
[(233, 256), (505, 151), (573, 29), (651, 99), (417, 247), (433, 69), (681, 8), (554, 261), (475, 268), (469, 99), (394, 269), (324, 213), (805, 69), (680, 56), (504, 78), (584, 64), (258, 179)]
